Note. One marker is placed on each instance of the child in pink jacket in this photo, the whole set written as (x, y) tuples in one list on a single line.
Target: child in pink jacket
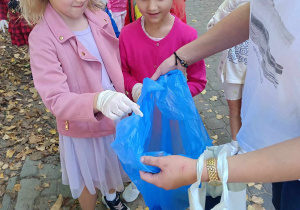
[(146, 43), (76, 69)]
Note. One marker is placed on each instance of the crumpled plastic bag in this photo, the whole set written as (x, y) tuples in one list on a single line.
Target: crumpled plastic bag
[(171, 125)]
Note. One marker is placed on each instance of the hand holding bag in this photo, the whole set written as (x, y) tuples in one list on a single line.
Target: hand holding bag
[(233, 194)]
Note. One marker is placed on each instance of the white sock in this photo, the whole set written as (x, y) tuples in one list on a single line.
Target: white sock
[(234, 143), (110, 197)]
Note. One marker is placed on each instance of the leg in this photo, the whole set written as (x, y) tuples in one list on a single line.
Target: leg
[(234, 116), (290, 194), (276, 194), (233, 95), (87, 201)]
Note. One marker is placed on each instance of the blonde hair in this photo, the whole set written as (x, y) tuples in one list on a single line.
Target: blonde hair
[(33, 10)]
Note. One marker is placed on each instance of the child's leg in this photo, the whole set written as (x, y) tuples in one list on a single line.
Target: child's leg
[(233, 94), (87, 201), (234, 117)]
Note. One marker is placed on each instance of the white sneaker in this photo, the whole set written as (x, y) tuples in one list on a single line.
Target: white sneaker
[(130, 193), (235, 148), (241, 151)]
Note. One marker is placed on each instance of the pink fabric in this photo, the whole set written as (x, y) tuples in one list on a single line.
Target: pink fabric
[(67, 76), (117, 5), (141, 56)]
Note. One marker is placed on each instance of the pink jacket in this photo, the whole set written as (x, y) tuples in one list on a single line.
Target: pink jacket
[(67, 76), (141, 56)]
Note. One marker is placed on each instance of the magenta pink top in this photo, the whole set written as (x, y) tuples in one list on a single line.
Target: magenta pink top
[(117, 5), (141, 55)]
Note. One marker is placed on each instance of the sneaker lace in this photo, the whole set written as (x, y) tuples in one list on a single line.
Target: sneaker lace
[(119, 206)]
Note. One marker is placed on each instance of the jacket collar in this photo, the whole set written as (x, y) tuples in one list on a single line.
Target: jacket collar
[(60, 29)]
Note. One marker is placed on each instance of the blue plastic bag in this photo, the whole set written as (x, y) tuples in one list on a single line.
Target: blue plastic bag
[(171, 125)]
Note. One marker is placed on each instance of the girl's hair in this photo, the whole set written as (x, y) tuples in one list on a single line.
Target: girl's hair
[(33, 10)]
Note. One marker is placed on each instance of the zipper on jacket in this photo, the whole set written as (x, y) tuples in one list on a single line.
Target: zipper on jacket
[(67, 125)]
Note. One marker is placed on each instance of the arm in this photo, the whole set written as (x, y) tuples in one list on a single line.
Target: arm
[(219, 14), (279, 162), (196, 74), (3, 10), (232, 30), (52, 85), (129, 80)]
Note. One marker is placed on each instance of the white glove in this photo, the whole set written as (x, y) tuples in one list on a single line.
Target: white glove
[(136, 91), (2, 24), (114, 105)]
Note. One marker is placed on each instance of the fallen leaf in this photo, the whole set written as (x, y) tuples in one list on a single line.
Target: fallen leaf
[(219, 116), (10, 153), (203, 92), (258, 186), (33, 139), (251, 184), (1, 176), (38, 188), (40, 166), (210, 110), (52, 131), (17, 187), (214, 98), (46, 185), (194, 20), (214, 141), (40, 148), (257, 200), (215, 137), (5, 166), (57, 204)]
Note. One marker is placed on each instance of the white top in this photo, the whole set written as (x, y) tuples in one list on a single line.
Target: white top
[(143, 27), (87, 39), (233, 62), (271, 97)]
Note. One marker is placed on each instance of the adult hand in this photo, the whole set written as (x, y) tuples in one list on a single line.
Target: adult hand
[(166, 66), (136, 91), (115, 105), (2, 24), (176, 171)]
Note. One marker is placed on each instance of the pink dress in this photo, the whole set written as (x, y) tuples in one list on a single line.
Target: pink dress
[(91, 162)]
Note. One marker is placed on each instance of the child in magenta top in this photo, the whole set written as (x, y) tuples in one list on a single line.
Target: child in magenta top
[(147, 42)]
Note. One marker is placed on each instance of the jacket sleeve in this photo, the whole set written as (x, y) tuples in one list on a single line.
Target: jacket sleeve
[(51, 82), (3, 10), (225, 9), (196, 75), (129, 80)]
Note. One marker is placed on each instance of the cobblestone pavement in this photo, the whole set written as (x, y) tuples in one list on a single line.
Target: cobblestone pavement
[(214, 114)]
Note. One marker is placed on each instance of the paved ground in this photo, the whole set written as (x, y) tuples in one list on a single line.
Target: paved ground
[(214, 114)]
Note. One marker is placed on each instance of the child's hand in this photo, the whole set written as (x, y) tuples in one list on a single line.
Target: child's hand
[(115, 105), (2, 24), (136, 91)]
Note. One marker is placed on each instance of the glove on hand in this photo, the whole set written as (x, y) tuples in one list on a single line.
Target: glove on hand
[(114, 105), (2, 24), (136, 91)]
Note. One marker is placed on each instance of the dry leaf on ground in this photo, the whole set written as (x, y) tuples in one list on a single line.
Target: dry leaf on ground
[(214, 98), (57, 204), (17, 187), (257, 200)]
